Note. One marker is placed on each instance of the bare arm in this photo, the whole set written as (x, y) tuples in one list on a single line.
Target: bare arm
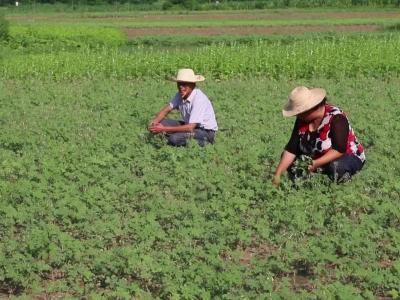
[(157, 128), (287, 159), (161, 115), (329, 156)]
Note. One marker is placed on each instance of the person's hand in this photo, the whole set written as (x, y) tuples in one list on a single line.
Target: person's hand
[(312, 168), (276, 181), (156, 128), (153, 122)]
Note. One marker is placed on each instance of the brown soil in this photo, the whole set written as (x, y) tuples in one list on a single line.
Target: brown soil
[(212, 31), (385, 264), (300, 282), (260, 251), (253, 15)]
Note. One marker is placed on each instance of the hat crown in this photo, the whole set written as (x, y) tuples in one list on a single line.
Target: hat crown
[(300, 96), (186, 75)]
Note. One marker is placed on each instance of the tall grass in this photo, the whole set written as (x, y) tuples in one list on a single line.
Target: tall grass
[(337, 58)]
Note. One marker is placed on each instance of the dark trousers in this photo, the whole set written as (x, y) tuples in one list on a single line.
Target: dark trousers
[(339, 170), (202, 136)]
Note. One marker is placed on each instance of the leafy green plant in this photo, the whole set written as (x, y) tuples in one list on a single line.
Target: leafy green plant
[(60, 38), (93, 206), (299, 169), (4, 28)]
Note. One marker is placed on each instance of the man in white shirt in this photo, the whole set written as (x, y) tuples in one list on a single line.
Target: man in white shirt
[(196, 110)]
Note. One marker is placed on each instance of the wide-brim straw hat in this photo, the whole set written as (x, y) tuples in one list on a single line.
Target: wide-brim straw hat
[(187, 75), (302, 99)]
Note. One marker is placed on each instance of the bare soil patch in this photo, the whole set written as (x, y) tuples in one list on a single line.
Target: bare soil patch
[(212, 31), (256, 250), (254, 15)]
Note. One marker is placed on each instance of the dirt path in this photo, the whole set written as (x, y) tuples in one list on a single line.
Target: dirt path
[(212, 31), (254, 15), (204, 16)]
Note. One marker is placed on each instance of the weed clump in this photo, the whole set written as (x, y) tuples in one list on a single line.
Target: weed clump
[(299, 169)]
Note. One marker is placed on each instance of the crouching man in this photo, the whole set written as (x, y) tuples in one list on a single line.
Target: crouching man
[(198, 118)]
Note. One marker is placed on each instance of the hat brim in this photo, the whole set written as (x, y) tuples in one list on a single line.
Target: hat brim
[(317, 95), (198, 78)]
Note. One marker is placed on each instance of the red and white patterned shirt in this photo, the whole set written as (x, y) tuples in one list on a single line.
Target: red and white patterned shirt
[(316, 144)]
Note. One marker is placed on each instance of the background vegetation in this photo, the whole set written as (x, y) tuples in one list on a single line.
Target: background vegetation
[(134, 5)]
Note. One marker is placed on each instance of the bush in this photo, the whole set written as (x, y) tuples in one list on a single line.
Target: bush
[(4, 31), (167, 5), (394, 27), (191, 5)]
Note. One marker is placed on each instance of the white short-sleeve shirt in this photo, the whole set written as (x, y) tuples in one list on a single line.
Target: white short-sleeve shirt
[(197, 108)]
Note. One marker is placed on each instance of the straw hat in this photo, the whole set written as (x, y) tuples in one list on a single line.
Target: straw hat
[(187, 75), (302, 99)]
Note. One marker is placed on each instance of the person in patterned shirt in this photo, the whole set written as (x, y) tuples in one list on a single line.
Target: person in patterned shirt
[(322, 132)]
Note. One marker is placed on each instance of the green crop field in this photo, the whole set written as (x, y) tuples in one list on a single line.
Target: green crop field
[(92, 206)]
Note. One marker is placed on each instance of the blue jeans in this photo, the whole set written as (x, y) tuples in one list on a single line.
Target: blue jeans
[(202, 136)]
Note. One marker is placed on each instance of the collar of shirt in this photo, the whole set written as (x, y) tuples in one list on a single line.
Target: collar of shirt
[(191, 97)]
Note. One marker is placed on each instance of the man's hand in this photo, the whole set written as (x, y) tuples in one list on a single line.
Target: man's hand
[(155, 122), (152, 124), (156, 128)]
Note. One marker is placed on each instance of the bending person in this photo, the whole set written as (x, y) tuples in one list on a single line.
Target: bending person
[(322, 132), (196, 110)]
